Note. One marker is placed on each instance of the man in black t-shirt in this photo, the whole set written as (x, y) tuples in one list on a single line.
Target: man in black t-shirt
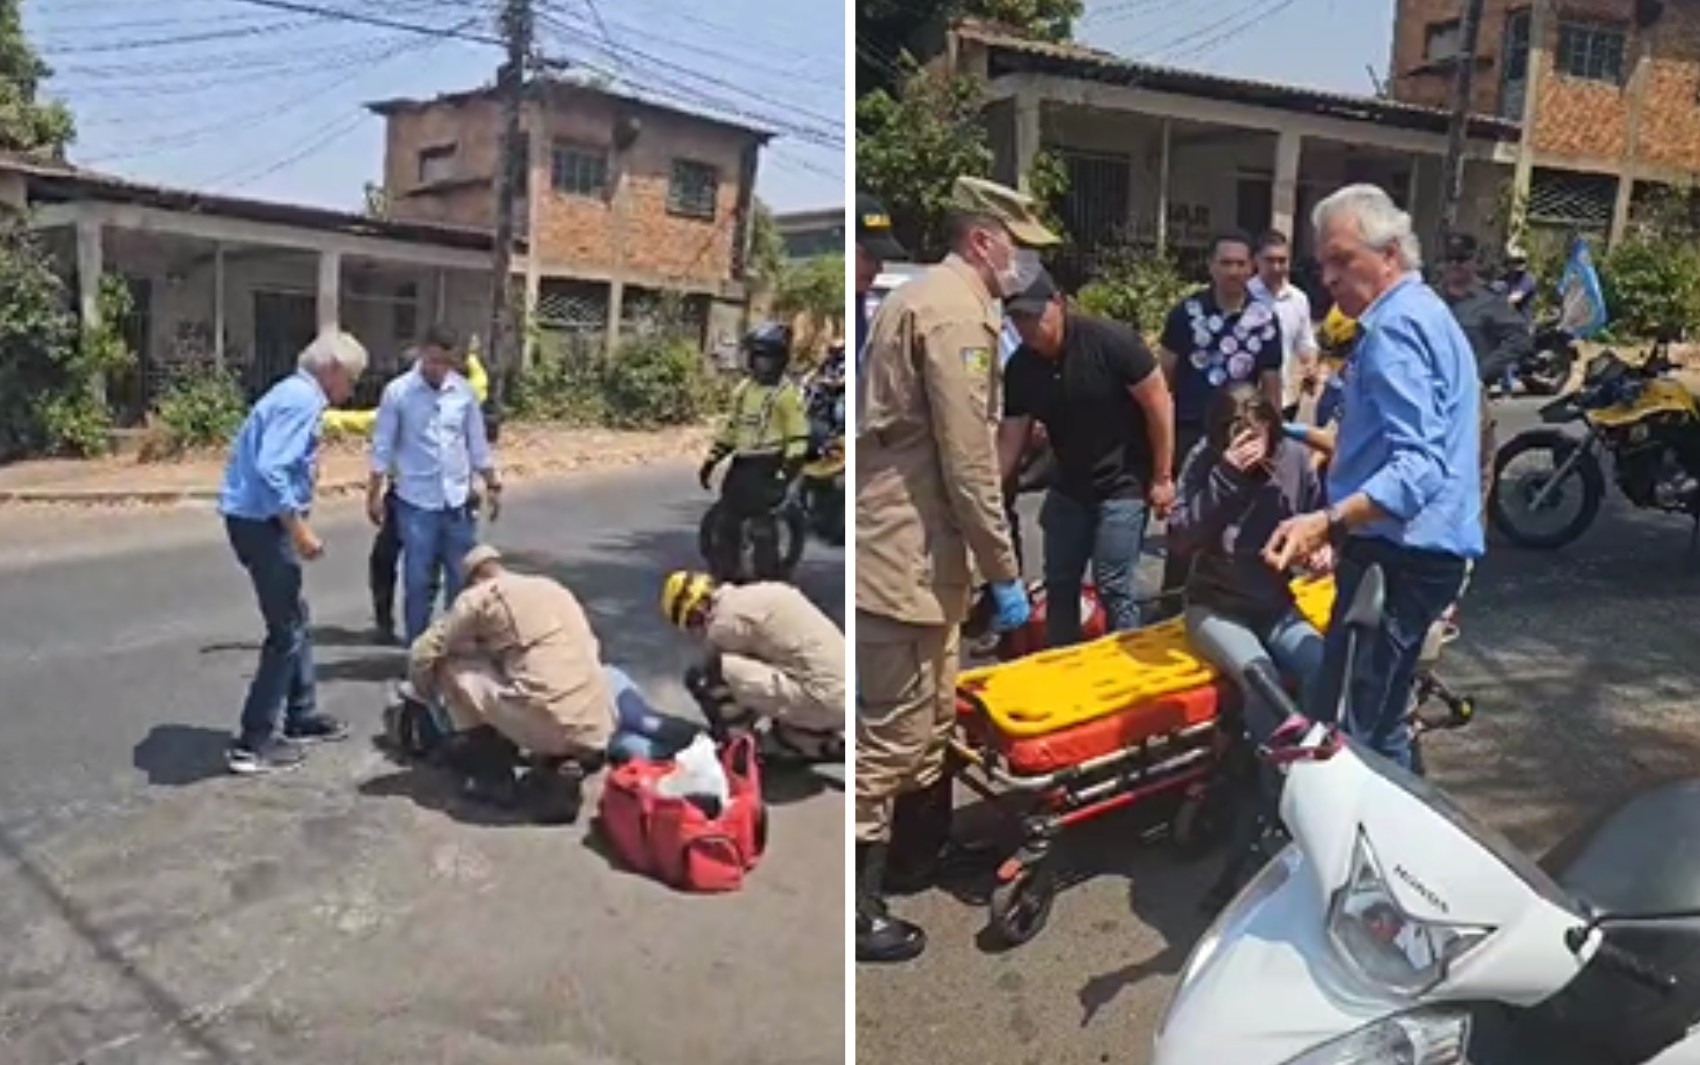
[(1096, 388), (1216, 337)]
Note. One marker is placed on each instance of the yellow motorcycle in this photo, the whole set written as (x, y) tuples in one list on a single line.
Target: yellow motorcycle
[(1640, 415)]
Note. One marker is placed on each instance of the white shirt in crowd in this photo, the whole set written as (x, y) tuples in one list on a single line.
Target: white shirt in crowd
[(1298, 335)]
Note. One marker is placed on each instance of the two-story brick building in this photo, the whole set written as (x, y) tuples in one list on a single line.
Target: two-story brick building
[(1607, 94), (625, 201)]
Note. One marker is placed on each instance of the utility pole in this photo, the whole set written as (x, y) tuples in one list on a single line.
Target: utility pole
[(1463, 81), (517, 27)]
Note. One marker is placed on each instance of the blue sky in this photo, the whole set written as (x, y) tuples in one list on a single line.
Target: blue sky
[(267, 104), (1323, 44), (221, 95)]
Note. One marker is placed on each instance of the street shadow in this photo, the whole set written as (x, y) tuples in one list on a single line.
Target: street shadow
[(434, 790), (323, 636), (378, 668), (176, 756)]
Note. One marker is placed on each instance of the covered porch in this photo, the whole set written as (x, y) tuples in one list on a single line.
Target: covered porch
[(221, 290)]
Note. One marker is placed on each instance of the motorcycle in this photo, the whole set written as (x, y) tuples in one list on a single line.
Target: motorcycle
[(1641, 416), (1396, 928), (1546, 369)]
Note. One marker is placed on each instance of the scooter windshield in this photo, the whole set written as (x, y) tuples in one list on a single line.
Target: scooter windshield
[(1490, 839)]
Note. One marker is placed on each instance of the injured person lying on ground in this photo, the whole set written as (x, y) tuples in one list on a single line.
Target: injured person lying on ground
[(512, 677), (771, 654)]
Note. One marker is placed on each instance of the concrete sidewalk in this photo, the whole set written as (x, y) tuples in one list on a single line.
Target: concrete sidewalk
[(524, 451)]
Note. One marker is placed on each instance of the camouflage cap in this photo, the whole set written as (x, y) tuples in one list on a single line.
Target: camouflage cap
[(1016, 210)]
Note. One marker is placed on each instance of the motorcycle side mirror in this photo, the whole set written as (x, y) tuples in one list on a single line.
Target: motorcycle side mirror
[(1369, 602)]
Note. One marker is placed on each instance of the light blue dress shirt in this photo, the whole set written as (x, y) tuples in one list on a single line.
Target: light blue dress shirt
[(270, 469), (1008, 341), (430, 440), (1410, 437)]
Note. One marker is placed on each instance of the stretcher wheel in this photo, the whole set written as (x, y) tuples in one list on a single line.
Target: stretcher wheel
[(1021, 905), (1203, 820)]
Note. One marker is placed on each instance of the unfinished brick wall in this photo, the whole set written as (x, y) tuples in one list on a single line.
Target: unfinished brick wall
[(1575, 117), (630, 232)]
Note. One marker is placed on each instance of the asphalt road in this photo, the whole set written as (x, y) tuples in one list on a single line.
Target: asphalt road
[(154, 910), (1584, 667)]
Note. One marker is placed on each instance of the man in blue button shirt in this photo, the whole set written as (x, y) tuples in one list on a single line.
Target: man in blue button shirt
[(430, 439), (1404, 482), (267, 493)]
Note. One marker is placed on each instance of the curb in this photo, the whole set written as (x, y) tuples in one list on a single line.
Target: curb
[(165, 497)]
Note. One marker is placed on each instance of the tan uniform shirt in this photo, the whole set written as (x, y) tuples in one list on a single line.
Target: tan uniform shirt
[(927, 485), (776, 624), (535, 632)]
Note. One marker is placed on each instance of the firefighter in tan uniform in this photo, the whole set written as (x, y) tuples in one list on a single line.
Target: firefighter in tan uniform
[(928, 504), (772, 654), (515, 667)]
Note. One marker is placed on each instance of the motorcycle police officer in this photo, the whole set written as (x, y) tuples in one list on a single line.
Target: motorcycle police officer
[(927, 498), (767, 435)]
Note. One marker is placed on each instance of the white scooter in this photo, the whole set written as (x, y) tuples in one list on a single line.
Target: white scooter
[(1395, 928)]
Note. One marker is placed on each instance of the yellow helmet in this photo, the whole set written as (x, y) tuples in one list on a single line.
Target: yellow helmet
[(683, 594), (1338, 331)]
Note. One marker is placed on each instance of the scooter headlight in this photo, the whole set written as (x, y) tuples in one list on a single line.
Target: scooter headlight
[(1423, 1038), (1387, 946)]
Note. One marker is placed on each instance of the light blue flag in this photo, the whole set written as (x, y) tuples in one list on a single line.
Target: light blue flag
[(1582, 302)]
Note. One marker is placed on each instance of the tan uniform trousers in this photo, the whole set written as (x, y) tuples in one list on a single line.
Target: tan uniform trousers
[(475, 694), (758, 687), (906, 683)]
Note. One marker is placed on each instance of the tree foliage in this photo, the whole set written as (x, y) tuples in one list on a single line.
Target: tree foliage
[(766, 260), (889, 30), (912, 146), (28, 125)]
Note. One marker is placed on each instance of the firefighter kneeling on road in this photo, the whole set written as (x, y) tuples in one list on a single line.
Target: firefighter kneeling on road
[(767, 435), (771, 654), (515, 666)]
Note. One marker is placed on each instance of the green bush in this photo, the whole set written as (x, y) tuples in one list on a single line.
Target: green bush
[(649, 383), (1652, 283), (1135, 289), (200, 410)]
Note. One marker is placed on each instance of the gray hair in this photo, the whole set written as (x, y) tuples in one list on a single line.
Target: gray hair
[(334, 348), (1380, 221)]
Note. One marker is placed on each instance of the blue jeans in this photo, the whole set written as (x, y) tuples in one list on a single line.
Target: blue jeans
[(1109, 535), (1420, 586), (284, 683), (1291, 645), (640, 730), (431, 539)]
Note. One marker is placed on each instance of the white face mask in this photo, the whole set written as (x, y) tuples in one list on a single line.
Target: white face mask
[(1024, 268)]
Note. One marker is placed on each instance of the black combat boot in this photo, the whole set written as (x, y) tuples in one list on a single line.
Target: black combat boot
[(553, 790), (880, 937), (484, 761), (923, 853)]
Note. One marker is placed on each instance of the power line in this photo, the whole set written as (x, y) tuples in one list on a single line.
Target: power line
[(203, 37), (373, 20)]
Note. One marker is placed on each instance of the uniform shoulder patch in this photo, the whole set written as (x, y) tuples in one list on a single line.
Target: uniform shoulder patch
[(977, 360)]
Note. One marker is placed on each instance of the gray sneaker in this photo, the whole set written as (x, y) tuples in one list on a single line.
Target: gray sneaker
[(273, 756)]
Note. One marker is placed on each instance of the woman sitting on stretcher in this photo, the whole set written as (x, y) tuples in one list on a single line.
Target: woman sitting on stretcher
[(1241, 481)]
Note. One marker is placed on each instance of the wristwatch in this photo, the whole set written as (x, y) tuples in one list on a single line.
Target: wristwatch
[(1336, 522)]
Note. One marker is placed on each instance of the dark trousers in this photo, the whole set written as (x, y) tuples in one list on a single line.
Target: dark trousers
[(383, 563), (752, 490), (283, 685), (1109, 535), (1177, 566), (1420, 586)]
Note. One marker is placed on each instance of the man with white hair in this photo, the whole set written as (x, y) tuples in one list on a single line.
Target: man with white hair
[(265, 499), (1404, 483)]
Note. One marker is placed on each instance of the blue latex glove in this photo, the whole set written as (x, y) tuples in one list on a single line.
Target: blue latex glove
[(1295, 431), (1011, 606)]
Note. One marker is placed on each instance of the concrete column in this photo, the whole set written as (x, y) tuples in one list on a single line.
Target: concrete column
[(1414, 187), (330, 290), (1540, 21), (218, 306), (616, 309), (1620, 209), (540, 186), (1164, 147), (1028, 133), (91, 267), (1284, 190)]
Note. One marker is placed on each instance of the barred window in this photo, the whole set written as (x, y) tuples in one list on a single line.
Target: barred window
[(578, 171), (694, 190), (1591, 51)]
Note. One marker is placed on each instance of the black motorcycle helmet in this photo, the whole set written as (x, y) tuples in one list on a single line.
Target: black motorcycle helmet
[(767, 350)]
